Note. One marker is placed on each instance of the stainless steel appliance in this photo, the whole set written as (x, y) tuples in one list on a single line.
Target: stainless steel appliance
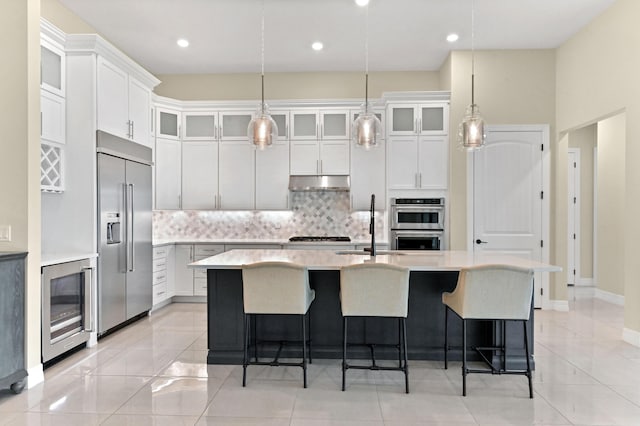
[(124, 231), (66, 307), (417, 223), (417, 213)]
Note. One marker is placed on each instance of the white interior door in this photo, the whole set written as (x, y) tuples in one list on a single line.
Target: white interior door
[(508, 195)]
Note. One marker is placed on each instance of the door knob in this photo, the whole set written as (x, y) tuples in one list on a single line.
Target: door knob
[(479, 241)]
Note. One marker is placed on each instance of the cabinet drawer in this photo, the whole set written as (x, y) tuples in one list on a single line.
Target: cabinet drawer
[(159, 292), (159, 277), (159, 252), (200, 286), (203, 251), (200, 273), (159, 264)]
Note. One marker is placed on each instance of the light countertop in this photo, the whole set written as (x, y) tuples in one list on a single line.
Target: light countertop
[(329, 260), (281, 241)]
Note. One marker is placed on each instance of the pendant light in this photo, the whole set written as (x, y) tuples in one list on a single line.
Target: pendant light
[(366, 130), (262, 129), (471, 130)]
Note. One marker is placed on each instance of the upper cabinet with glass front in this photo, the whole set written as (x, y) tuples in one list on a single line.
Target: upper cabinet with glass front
[(200, 125), (319, 124), (169, 123), (421, 119), (234, 124), (52, 73)]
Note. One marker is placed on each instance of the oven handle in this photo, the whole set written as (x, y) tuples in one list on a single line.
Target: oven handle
[(88, 298)]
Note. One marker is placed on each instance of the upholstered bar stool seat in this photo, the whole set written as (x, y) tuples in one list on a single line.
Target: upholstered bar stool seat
[(497, 293), (375, 290), (276, 288)]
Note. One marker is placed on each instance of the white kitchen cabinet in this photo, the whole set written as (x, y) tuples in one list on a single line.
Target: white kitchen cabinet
[(199, 175), (319, 142), (168, 174), (202, 251), (163, 273), (368, 176), (124, 104), (281, 117), (272, 177), (236, 175), (168, 123), (200, 125), (319, 157), (418, 163), (52, 117), (52, 67), (418, 119), (183, 275), (234, 124)]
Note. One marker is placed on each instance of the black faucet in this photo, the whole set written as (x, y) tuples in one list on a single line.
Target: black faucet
[(372, 226)]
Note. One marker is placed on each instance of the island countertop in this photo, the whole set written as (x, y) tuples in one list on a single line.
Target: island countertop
[(330, 260)]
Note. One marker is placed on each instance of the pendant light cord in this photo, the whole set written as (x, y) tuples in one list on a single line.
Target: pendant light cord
[(366, 61), (472, 52), (262, 58)]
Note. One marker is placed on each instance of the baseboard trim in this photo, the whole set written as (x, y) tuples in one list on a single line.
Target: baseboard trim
[(559, 305), (36, 376), (631, 336), (585, 282), (607, 296)]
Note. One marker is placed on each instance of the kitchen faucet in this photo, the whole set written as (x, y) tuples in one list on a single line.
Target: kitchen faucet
[(372, 226)]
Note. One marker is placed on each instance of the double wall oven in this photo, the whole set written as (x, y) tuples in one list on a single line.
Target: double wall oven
[(66, 307), (417, 224)]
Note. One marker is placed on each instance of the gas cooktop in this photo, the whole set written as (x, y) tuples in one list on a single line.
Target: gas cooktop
[(308, 238)]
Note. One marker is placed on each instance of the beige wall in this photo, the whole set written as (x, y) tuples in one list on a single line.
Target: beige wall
[(597, 76), (309, 85), (20, 150), (585, 139), (611, 204)]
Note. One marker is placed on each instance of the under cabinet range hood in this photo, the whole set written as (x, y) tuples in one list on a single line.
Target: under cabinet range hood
[(319, 183)]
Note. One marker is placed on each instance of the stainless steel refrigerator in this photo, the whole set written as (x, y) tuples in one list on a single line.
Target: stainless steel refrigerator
[(124, 231)]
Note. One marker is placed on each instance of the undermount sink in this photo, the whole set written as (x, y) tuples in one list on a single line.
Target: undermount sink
[(362, 252)]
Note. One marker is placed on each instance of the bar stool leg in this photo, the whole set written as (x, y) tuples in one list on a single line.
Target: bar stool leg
[(446, 334), (255, 336), (304, 351), (399, 343), (310, 351), (464, 357), (526, 351), (344, 351), (246, 345), (406, 357)]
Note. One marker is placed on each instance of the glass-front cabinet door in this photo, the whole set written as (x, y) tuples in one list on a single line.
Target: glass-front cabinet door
[(200, 125), (422, 119), (433, 119), (402, 120), (334, 124), (168, 123), (52, 60), (304, 124), (234, 124), (282, 121)]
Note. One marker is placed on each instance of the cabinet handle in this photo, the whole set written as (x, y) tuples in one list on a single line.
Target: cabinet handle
[(416, 180), (415, 124), (420, 180), (133, 129), (286, 131), (220, 198), (179, 201), (321, 131)]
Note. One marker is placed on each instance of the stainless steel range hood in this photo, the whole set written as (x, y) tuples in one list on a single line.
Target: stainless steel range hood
[(319, 183)]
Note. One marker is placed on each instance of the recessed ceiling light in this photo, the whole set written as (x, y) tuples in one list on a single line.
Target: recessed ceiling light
[(362, 2), (317, 45), (183, 42), (452, 37)]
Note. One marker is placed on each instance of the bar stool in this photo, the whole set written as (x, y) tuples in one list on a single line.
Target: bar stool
[(496, 293), (280, 288), (375, 290)]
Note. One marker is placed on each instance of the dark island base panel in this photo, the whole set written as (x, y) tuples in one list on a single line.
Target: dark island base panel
[(425, 324)]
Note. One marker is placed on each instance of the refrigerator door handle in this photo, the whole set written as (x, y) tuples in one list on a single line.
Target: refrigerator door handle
[(130, 230), (127, 237)]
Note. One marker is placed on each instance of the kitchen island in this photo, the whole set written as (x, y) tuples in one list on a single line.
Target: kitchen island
[(432, 272)]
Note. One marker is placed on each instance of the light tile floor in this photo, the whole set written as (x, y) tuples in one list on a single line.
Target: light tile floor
[(155, 373)]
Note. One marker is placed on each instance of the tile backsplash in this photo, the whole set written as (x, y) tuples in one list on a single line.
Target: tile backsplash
[(312, 213)]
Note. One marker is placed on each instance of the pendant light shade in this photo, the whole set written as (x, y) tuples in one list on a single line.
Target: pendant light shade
[(471, 130), (366, 130), (262, 129)]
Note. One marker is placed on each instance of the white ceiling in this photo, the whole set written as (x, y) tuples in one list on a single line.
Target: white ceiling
[(404, 34)]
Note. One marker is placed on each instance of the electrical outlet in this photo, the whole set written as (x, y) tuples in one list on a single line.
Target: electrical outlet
[(5, 232)]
